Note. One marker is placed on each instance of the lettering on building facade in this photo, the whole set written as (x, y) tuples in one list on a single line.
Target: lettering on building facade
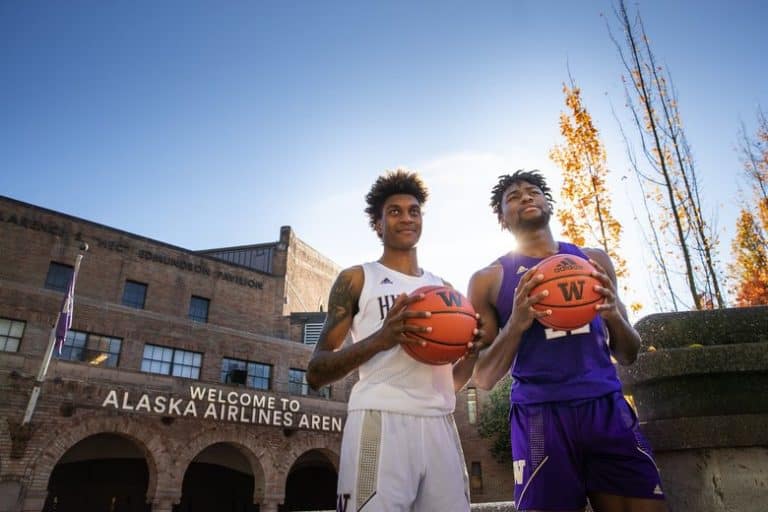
[(124, 248), (216, 404)]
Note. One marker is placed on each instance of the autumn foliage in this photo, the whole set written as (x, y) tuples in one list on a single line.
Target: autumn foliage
[(750, 266), (585, 213)]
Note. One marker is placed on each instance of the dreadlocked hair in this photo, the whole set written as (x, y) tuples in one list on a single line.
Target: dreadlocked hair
[(393, 182), (533, 177)]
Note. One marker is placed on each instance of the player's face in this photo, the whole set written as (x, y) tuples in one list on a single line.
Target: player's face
[(524, 207), (400, 223)]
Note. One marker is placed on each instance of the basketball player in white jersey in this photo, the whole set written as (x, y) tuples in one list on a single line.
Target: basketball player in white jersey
[(400, 449)]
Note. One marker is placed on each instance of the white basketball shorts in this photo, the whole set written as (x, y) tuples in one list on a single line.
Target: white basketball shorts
[(394, 462)]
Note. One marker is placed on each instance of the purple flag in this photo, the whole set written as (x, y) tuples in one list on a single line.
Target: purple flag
[(65, 317)]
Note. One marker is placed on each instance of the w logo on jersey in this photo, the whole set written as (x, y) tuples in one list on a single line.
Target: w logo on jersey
[(450, 298), (571, 290)]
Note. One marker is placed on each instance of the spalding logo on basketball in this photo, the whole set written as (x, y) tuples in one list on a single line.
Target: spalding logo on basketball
[(572, 296), (453, 324)]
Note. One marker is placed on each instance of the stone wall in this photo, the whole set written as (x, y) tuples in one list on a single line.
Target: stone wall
[(700, 386)]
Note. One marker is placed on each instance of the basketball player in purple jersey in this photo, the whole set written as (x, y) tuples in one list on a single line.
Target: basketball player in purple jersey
[(573, 435), (400, 450)]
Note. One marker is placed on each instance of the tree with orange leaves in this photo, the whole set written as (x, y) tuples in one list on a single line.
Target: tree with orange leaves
[(669, 180), (586, 213), (750, 266)]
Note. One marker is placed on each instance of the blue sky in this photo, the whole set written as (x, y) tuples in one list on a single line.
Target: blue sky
[(210, 124)]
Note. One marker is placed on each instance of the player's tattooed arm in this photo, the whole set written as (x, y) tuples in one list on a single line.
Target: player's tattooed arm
[(327, 365), (342, 305)]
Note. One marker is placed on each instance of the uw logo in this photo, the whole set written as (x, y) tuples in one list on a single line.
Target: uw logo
[(341, 502), (450, 298), (518, 466), (571, 290)]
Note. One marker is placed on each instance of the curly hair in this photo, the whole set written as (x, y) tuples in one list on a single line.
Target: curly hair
[(399, 181), (533, 177)]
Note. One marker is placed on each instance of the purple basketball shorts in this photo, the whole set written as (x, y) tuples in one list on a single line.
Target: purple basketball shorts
[(562, 451)]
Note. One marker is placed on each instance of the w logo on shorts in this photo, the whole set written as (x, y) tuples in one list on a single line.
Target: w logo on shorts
[(341, 502), (518, 466)]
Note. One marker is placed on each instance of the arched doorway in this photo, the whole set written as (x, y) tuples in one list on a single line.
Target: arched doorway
[(311, 483), (101, 473), (220, 479)]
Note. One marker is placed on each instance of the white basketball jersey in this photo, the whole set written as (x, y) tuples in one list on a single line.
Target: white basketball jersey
[(392, 380)]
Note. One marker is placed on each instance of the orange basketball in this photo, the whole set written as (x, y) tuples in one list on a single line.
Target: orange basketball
[(572, 297), (453, 323)]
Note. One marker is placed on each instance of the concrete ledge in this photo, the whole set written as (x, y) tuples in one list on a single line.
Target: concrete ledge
[(745, 357), (741, 430), (715, 327)]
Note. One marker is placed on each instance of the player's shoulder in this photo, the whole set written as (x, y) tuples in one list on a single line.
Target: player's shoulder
[(352, 277), (489, 273), (597, 254)]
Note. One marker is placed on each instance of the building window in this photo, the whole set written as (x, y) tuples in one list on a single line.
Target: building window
[(171, 361), (476, 477), (472, 405), (94, 349), (312, 333), (254, 375), (134, 294), (297, 382), (198, 309), (297, 385), (11, 332), (58, 276)]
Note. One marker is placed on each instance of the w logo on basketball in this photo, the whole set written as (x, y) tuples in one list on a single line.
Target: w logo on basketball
[(451, 298), (571, 290)]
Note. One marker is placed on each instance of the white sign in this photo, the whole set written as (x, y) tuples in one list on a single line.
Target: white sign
[(217, 404)]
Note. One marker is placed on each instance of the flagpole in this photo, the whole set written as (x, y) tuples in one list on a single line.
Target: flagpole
[(43, 371)]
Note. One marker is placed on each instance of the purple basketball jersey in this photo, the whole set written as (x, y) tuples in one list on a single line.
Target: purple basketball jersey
[(551, 365)]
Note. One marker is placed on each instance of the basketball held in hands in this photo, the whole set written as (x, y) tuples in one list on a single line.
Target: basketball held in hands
[(452, 321), (572, 297)]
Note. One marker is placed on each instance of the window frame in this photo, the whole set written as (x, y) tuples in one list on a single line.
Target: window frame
[(54, 275), (172, 362), (79, 353), (131, 304), (251, 377), (194, 317), (6, 338)]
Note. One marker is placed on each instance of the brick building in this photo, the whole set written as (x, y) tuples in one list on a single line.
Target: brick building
[(180, 386)]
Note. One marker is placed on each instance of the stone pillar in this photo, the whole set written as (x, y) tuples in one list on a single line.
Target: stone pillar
[(701, 392), (164, 504), (34, 501), (270, 505)]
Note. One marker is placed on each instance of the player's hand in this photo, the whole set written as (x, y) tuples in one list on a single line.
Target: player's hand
[(609, 309), (478, 343), (394, 329), (523, 314)]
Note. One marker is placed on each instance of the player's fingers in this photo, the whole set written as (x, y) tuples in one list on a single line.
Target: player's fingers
[(412, 340), (524, 289), (537, 297), (606, 306), (401, 301), (415, 328), (410, 299), (608, 293), (416, 314), (539, 314)]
